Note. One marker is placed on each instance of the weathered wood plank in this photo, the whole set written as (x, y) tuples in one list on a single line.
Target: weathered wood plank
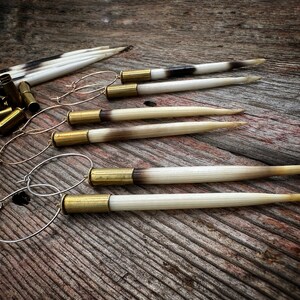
[(240, 253)]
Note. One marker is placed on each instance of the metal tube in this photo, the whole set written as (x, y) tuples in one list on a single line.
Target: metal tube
[(14, 97), (85, 203), (84, 117), (5, 112), (11, 121), (30, 102), (117, 176)]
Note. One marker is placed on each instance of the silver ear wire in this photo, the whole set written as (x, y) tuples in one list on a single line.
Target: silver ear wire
[(36, 131), (28, 179), (45, 226), (24, 160), (75, 88)]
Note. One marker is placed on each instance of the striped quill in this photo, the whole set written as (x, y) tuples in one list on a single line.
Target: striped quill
[(85, 136), (41, 70), (180, 71), (182, 175), (106, 202)]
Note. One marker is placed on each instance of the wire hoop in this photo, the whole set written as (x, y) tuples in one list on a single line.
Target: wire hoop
[(24, 160), (45, 226), (28, 179), (37, 131), (75, 89)]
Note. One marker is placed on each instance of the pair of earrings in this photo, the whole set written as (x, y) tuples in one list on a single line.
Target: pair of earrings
[(68, 138), (97, 203)]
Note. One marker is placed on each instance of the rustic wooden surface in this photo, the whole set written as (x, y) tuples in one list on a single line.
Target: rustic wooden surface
[(240, 253)]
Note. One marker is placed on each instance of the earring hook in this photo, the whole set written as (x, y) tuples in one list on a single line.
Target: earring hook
[(45, 226), (28, 178)]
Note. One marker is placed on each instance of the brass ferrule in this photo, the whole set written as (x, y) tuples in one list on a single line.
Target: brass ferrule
[(14, 98), (5, 112), (11, 121), (84, 117), (135, 75), (74, 204), (117, 176), (69, 138), (30, 101), (121, 91)]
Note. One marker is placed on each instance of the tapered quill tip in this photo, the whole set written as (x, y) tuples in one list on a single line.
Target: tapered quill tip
[(237, 124), (232, 124), (259, 61), (229, 124), (118, 50), (252, 78), (237, 111), (126, 48)]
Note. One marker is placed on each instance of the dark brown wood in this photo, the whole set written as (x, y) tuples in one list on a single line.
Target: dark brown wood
[(238, 253)]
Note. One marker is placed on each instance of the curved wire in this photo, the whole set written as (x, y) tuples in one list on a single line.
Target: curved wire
[(41, 229), (36, 131), (35, 115), (74, 83), (28, 179), (22, 131), (24, 160), (76, 88)]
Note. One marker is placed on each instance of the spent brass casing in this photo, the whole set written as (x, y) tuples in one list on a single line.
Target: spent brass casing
[(15, 118), (30, 102), (72, 204), (84, 117), (77, 137), (118, 176), (14, 98), (5, 112), (121, 91), (135, 76)]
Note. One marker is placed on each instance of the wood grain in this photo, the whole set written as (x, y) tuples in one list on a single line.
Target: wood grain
[(238, 253)]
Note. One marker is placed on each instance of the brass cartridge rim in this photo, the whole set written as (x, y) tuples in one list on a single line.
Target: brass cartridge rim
[(135, 76), (12, 120), (85, 203), (84, 117), (121, 91), (28, 97), (24, 87), (5, 112), (13, 94), (110, 176), (68, 138)]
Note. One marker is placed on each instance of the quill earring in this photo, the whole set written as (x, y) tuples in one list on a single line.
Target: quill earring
[(134, 76)]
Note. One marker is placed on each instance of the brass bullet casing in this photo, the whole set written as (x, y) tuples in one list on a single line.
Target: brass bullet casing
[(135, 76), (69, 138), (121, 91), (5, 112), (84, 117), (15, 118), (73, 204), (117, 176), (14, 97), (26, 94)]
